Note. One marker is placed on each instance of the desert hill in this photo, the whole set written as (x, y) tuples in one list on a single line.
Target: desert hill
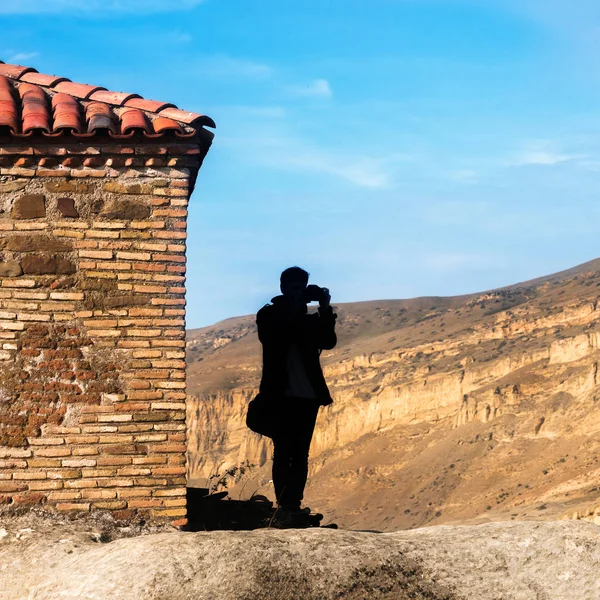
[(447, 410)]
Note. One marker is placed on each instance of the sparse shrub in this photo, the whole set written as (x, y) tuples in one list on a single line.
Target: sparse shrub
[(221, 481)]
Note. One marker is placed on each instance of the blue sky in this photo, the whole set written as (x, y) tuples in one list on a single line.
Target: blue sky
[(393, 148)]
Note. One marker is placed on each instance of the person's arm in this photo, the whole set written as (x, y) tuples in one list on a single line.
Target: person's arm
[(274, 326), (327, 339)]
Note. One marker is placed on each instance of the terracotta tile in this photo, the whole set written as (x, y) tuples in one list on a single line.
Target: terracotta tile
[(8, 120), (9, 106), (36, 121), (100, 116), (79, 90), (35, 113), (31, 102), (118, 98), (67, 113), (63, 99), (41, 79), (148, 105), (134, 119), (6, 95), (189, 118), (15, 71), (161, 124), (32, 95), (5, 83)]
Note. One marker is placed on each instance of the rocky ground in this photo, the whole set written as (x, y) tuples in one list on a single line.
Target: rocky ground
[(48, 558)]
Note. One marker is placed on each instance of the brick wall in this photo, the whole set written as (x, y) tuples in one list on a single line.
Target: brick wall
[(92, 327)]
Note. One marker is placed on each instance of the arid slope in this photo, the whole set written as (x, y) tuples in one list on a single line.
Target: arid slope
[(447, 410)]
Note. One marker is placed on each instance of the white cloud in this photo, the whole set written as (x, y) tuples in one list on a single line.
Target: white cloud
[(541, 157), (178, 37), (93, 6), (318, 88), (19, 57), (578, 17), (361, 171), (221, 65), (241, 112), (466, 176), (448, 261), (297, 155), (543, 153)]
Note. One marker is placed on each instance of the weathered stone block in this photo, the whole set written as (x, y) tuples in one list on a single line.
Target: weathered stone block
[(13, 186), (10, 268), (126, 209), (67, 186), (32, 243), (46, 265), (29, 206), (67, 207), (131, 188)]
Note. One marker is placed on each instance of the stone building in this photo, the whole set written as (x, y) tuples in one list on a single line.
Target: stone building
[(94, 188)]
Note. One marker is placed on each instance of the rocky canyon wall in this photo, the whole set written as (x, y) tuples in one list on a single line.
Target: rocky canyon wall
[(522, 377)]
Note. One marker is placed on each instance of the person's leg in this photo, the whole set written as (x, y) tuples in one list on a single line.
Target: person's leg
[(281, 467), (298, 449)]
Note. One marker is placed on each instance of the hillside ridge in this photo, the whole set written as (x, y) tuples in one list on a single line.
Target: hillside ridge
[(446, 410)]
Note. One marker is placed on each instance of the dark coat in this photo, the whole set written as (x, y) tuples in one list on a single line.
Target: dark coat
[(311, 333)]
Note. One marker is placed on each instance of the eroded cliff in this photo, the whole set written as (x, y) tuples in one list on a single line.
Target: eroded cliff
[(465, 409)]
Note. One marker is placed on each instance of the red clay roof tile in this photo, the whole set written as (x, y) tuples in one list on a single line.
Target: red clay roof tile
[(79, 90), (32, 102), (15, 71), (133, 119), (8, 108), (161, 124), (34, 113), (148, 105), (189, 118), (67, 114), (41, 79), (117, 98), (100, 116)]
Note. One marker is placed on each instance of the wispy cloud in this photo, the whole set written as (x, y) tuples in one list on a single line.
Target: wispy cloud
[(361, 171), (178, 37), (544, 153), (243, 112), (224, 66), (581, 17), (300, 156), (466, 176), (449, 261), (19, 57), (318, 88), (97, 7), (293, 154)]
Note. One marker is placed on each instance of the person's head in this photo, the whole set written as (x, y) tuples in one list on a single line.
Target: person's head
[(293, 282)]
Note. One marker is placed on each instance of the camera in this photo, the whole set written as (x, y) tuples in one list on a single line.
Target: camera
[(313, 293)]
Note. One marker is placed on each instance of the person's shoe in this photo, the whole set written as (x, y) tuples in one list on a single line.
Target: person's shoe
[(286, 518), (303, 511)]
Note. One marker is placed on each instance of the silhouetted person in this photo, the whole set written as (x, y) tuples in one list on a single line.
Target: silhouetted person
[(292, 379)]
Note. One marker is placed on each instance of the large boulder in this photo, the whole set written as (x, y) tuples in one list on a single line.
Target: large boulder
[(508, 561)]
